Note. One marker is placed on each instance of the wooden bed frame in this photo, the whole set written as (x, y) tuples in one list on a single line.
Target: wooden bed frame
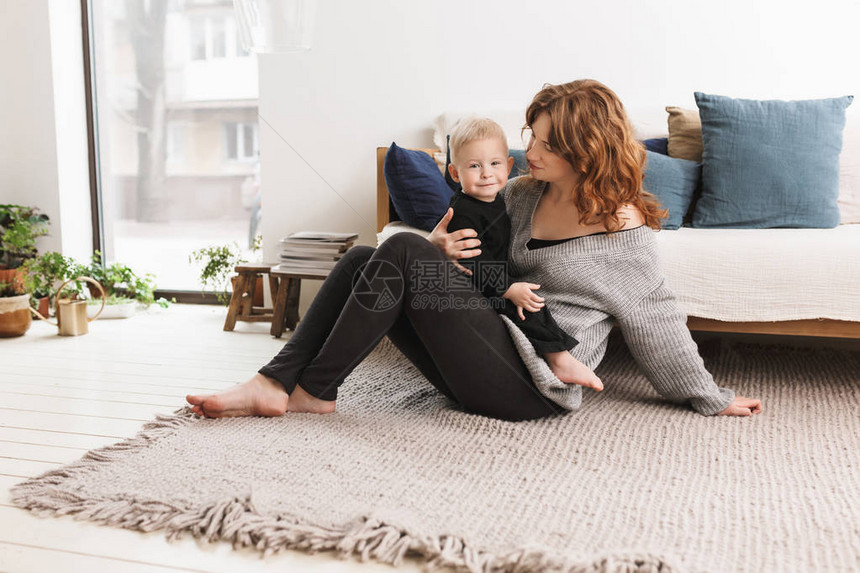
[(813, 327)]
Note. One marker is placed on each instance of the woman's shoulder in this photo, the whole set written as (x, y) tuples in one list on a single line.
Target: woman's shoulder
[(524, 183), (520, 188), (630, 216)]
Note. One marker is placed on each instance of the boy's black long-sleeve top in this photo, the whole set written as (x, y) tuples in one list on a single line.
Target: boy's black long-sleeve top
[(490, 269), (491, 221)]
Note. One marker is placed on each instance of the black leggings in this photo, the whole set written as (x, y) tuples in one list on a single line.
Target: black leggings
[(406, 289)]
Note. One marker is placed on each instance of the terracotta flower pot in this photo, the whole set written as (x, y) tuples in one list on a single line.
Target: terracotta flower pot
[(15, 316), (12, 276), (44, 306)]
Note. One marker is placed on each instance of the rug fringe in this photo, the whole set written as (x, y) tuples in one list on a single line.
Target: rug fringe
[(237, 521)]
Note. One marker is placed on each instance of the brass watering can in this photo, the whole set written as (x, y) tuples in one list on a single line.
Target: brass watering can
[(72, 314)]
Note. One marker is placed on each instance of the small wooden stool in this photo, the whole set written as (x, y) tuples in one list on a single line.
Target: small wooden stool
[(288, 286), (242, 301)]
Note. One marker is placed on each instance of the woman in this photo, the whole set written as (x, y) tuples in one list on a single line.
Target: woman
[(581, 228)]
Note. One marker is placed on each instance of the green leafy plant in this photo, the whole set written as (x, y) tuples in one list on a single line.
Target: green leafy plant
[(119, 280), (10, 289), (75, 288), (20, 226), (219, 263), (43, 274)]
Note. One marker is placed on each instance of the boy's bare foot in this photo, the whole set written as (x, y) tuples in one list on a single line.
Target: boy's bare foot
[(301, 401), (571, 371), (259, 396)]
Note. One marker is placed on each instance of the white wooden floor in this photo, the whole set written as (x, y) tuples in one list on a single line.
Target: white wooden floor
[(61, 396)]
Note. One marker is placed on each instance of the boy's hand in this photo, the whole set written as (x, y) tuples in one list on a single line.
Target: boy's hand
[(521, 295)]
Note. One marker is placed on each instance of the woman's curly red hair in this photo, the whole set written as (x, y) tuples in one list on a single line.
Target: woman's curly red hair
[(589, 128)]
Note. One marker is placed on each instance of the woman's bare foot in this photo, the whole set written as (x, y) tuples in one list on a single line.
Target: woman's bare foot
[(571, 371), (301, 401), (259, 396)]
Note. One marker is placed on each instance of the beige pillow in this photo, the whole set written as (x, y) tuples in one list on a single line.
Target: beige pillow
[(685, 134), (849, 169)]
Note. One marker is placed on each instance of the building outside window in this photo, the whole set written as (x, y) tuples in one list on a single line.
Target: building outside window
[(214, 37), (176, 108), (175, 143), (241, 141)]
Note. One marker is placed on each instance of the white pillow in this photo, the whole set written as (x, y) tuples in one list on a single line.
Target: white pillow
[(649, 124), (395, 227), (511, 121), (849, 169)]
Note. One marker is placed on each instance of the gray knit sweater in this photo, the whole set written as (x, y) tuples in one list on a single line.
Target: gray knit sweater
[(591, 282)]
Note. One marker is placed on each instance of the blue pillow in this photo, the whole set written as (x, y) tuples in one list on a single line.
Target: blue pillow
[(674, 182), (657, 145), (521, 166), (770, 163), (416, 188)]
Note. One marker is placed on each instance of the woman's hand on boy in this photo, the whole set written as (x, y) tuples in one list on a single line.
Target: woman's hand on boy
[(456, 245), (522, 296)]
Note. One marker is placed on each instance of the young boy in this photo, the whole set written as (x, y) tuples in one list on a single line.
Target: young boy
[(480, 163)]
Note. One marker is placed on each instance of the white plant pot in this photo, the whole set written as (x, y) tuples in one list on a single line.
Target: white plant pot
[(124, 310)]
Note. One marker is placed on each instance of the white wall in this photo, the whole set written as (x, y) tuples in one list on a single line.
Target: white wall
[(28, 151), (43, 150), (72, 153), (382, 70)]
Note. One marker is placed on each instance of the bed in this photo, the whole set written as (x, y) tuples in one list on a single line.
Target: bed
[(800, 282)]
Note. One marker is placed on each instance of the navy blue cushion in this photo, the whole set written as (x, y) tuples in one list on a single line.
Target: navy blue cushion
[(674, 182), (657, 145), (521, 166), (770, 163), (416, 188)]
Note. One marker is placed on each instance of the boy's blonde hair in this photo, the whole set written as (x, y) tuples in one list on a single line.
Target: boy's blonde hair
[(471, 129)]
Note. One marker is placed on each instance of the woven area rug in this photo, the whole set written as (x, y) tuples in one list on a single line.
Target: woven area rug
[(628, 483)]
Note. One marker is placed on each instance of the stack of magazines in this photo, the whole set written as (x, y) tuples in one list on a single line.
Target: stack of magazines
[(313, 252)]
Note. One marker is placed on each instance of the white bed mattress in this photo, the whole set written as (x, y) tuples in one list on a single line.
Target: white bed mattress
[(740, 275)]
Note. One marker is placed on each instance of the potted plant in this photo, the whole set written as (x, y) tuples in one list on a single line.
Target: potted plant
[(15, 316), (20, 226), (124, 288), (218, 271), (43, 274)]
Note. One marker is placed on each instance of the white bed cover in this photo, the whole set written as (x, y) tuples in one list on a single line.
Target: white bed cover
[(756, 275)]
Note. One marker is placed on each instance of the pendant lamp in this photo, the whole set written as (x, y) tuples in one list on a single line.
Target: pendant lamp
[(275, 26)]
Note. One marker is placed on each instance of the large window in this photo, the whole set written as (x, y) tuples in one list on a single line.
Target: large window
[(176, 109)]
